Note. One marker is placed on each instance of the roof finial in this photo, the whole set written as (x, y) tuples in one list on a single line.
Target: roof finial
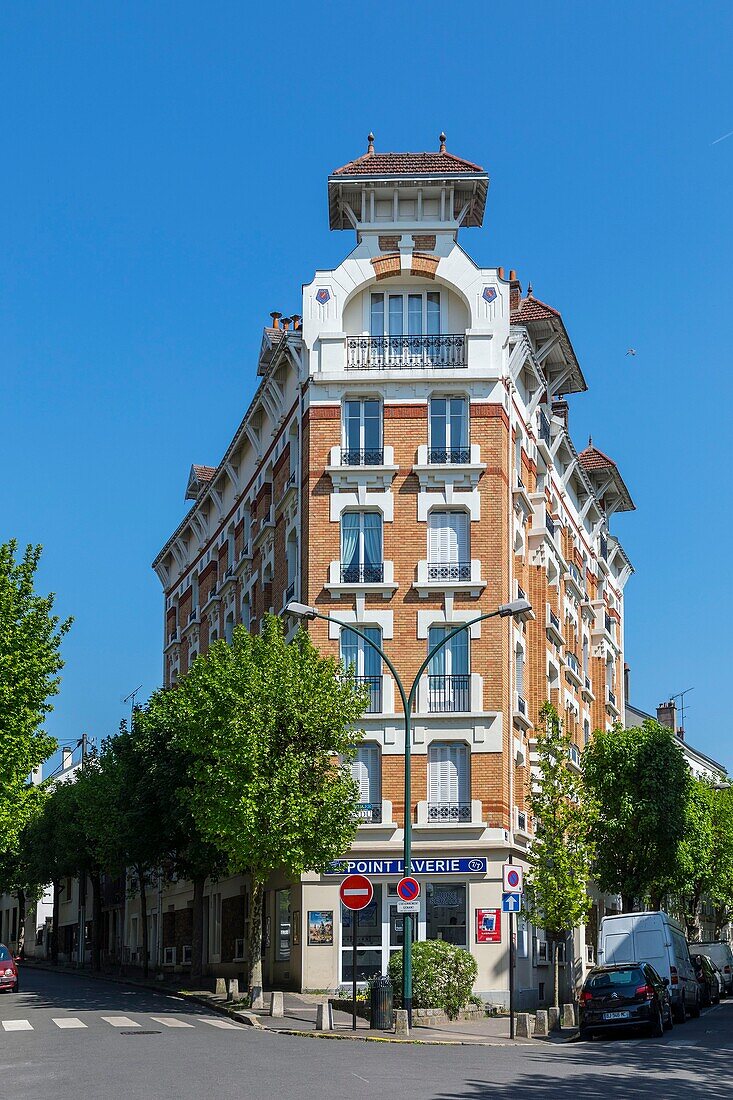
[(590, 440), (370, 146), (442, 141), (529, 290)]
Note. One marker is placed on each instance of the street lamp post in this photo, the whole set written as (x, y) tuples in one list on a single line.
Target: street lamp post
[(515, 609)]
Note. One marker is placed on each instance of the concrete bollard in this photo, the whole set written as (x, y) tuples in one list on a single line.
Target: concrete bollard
[(232, 989), (324, 1017), (401, 1026), (221, 987), (553, 1018), (568, 1015), (540, 1024), (277, 1006), (257, 1000), (522, 1028)]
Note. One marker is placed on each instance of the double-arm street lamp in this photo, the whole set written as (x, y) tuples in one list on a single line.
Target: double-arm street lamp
[(518, 609)]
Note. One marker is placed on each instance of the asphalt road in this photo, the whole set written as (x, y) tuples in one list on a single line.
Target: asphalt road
[(68, 1037)]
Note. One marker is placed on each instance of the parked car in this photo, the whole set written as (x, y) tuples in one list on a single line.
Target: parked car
[(658, 939), (706, 979), (624, 996), (719, 978), (8, 971), (722, 956)]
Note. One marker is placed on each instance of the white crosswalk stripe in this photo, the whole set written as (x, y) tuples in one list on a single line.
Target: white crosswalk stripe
[(223, 1023), (120, 1021), (170, 1021), (68, 1022), (17, 1025)]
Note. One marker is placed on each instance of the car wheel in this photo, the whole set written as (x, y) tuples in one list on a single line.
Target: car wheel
[(678, 1012), (657, 1027), (670, 1019), (695, 1010)]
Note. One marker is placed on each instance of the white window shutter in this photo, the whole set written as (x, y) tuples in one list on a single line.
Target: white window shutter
[(448, 538), (448, 773), (365, 770)]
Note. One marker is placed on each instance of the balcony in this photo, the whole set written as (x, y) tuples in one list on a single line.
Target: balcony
[(262, 525), (572, 669), (403, 352), (520, 495), (373, 684), (461, 813), (552, 626), (611, 705), (370, 467), (460, 467), (370, 813), (361, 577), (574, 756), (459, 576), (173, 640), (588, 694), (376, 816), (289, 487), (245, 556), (448, 694), (574, 581), (520, 712), (194, 618), (543, 428), (212, 596)]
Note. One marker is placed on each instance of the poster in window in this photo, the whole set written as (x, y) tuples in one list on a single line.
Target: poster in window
[(320, 927), (488, 926)]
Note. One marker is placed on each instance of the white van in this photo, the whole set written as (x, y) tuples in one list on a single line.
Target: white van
[(660, 940), (722, 956)]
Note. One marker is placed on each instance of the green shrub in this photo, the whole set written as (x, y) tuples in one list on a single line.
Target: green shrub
[(442, 976)]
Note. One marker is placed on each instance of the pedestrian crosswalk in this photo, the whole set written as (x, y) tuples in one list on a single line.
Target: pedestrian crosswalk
[(73, 1023)]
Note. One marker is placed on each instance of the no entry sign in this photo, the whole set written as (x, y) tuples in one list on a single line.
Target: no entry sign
[(408, 888), (356, 892)]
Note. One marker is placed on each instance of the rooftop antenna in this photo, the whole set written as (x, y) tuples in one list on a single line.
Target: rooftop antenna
[(131, 700), (683, 707)]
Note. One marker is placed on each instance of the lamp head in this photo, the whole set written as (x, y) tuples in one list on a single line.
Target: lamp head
[(517, 609), (301, 610)]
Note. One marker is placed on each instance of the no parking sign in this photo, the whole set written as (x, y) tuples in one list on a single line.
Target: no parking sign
[(512, 878)]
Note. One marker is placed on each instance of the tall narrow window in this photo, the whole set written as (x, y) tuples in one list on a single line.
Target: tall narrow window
[(519, 670), (366, 770), (448, 673), (377, 315), (448, 783), (414, 314), (365, 661), (433, 313), (449, 430), (362, 433), (361, 548), (194, 595), (449, 557)]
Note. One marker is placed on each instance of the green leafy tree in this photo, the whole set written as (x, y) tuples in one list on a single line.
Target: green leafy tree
[(720, 886), (561, 853), (30, 661), (695, 865), (268, 727), (17, 871), (640, 782)]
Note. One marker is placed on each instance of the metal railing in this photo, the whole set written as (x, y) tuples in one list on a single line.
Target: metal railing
[(521, 704), (370, 813), (608, 624), (610, 697), (374, 686), (449, 811), (447, 693), (521, 594), (362, 574), (290, 592), (362, 456), (456, 455), (587, 682), (395, 352), (550, 524), (449, 571), (575, 574), (553, 620), (544, 428), (604, 547), (572, 662), (193, 615)]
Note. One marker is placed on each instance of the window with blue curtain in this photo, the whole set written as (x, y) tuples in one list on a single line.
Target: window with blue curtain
[(361, 547), (452, 658), (449, 429)]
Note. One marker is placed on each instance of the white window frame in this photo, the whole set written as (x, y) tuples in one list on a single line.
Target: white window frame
[(406, 293), (448, 442), (451, 789), (446, 554)]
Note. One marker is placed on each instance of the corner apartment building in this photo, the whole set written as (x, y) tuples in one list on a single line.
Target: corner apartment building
[(406, 465)]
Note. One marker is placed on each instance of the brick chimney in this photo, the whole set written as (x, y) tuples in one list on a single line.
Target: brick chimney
[(276, 319), (667, 715), (560, 409), (515, 291), (296, 321)]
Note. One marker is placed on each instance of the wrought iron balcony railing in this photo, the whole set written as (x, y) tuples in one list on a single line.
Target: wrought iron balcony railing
[(550, 524), (290, 592), (572, 662), (544, 428), (455, 455), (604, 547), (449, 571), (396, 352), (449, 811), (449, 693), (374, 688), (362, 574), (370, 813), (362, 456)]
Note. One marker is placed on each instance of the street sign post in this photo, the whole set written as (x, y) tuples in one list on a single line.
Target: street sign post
[(408, 889), (512, 879), (356, 891), (511, 902)]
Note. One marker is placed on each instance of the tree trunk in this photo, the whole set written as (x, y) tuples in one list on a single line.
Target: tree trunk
[(721, 919), (655, 901), (20, 948), (254, 940), (53, 947), (627, 901), (556, 968), (144, 919), (95, 880), (197, 933)]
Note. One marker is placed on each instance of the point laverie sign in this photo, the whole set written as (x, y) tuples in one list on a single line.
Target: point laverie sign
[(472, 865)]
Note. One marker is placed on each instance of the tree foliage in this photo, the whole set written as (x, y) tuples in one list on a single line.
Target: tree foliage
[(561, 853), (266, 724), (640, 782)]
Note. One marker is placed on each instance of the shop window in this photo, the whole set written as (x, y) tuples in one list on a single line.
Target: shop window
[(368, 940), (282, 917), (445, 912)]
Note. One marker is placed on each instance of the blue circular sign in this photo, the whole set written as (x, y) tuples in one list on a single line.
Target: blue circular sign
[(408, 888)]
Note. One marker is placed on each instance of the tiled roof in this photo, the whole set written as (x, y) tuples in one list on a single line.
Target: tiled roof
[(407, 164), (593, 459), (532, 309), (203, 473)]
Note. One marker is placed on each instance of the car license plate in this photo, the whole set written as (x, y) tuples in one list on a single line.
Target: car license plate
[(616, 1015)]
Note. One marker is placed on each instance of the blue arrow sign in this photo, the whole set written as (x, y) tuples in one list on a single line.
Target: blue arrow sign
[(511, 903)]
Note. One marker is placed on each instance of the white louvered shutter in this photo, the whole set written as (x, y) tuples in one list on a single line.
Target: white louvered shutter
[(448, 773), (448, 538), (365, 770)]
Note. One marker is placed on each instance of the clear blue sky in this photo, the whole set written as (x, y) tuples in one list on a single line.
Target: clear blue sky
[(164, 187)]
